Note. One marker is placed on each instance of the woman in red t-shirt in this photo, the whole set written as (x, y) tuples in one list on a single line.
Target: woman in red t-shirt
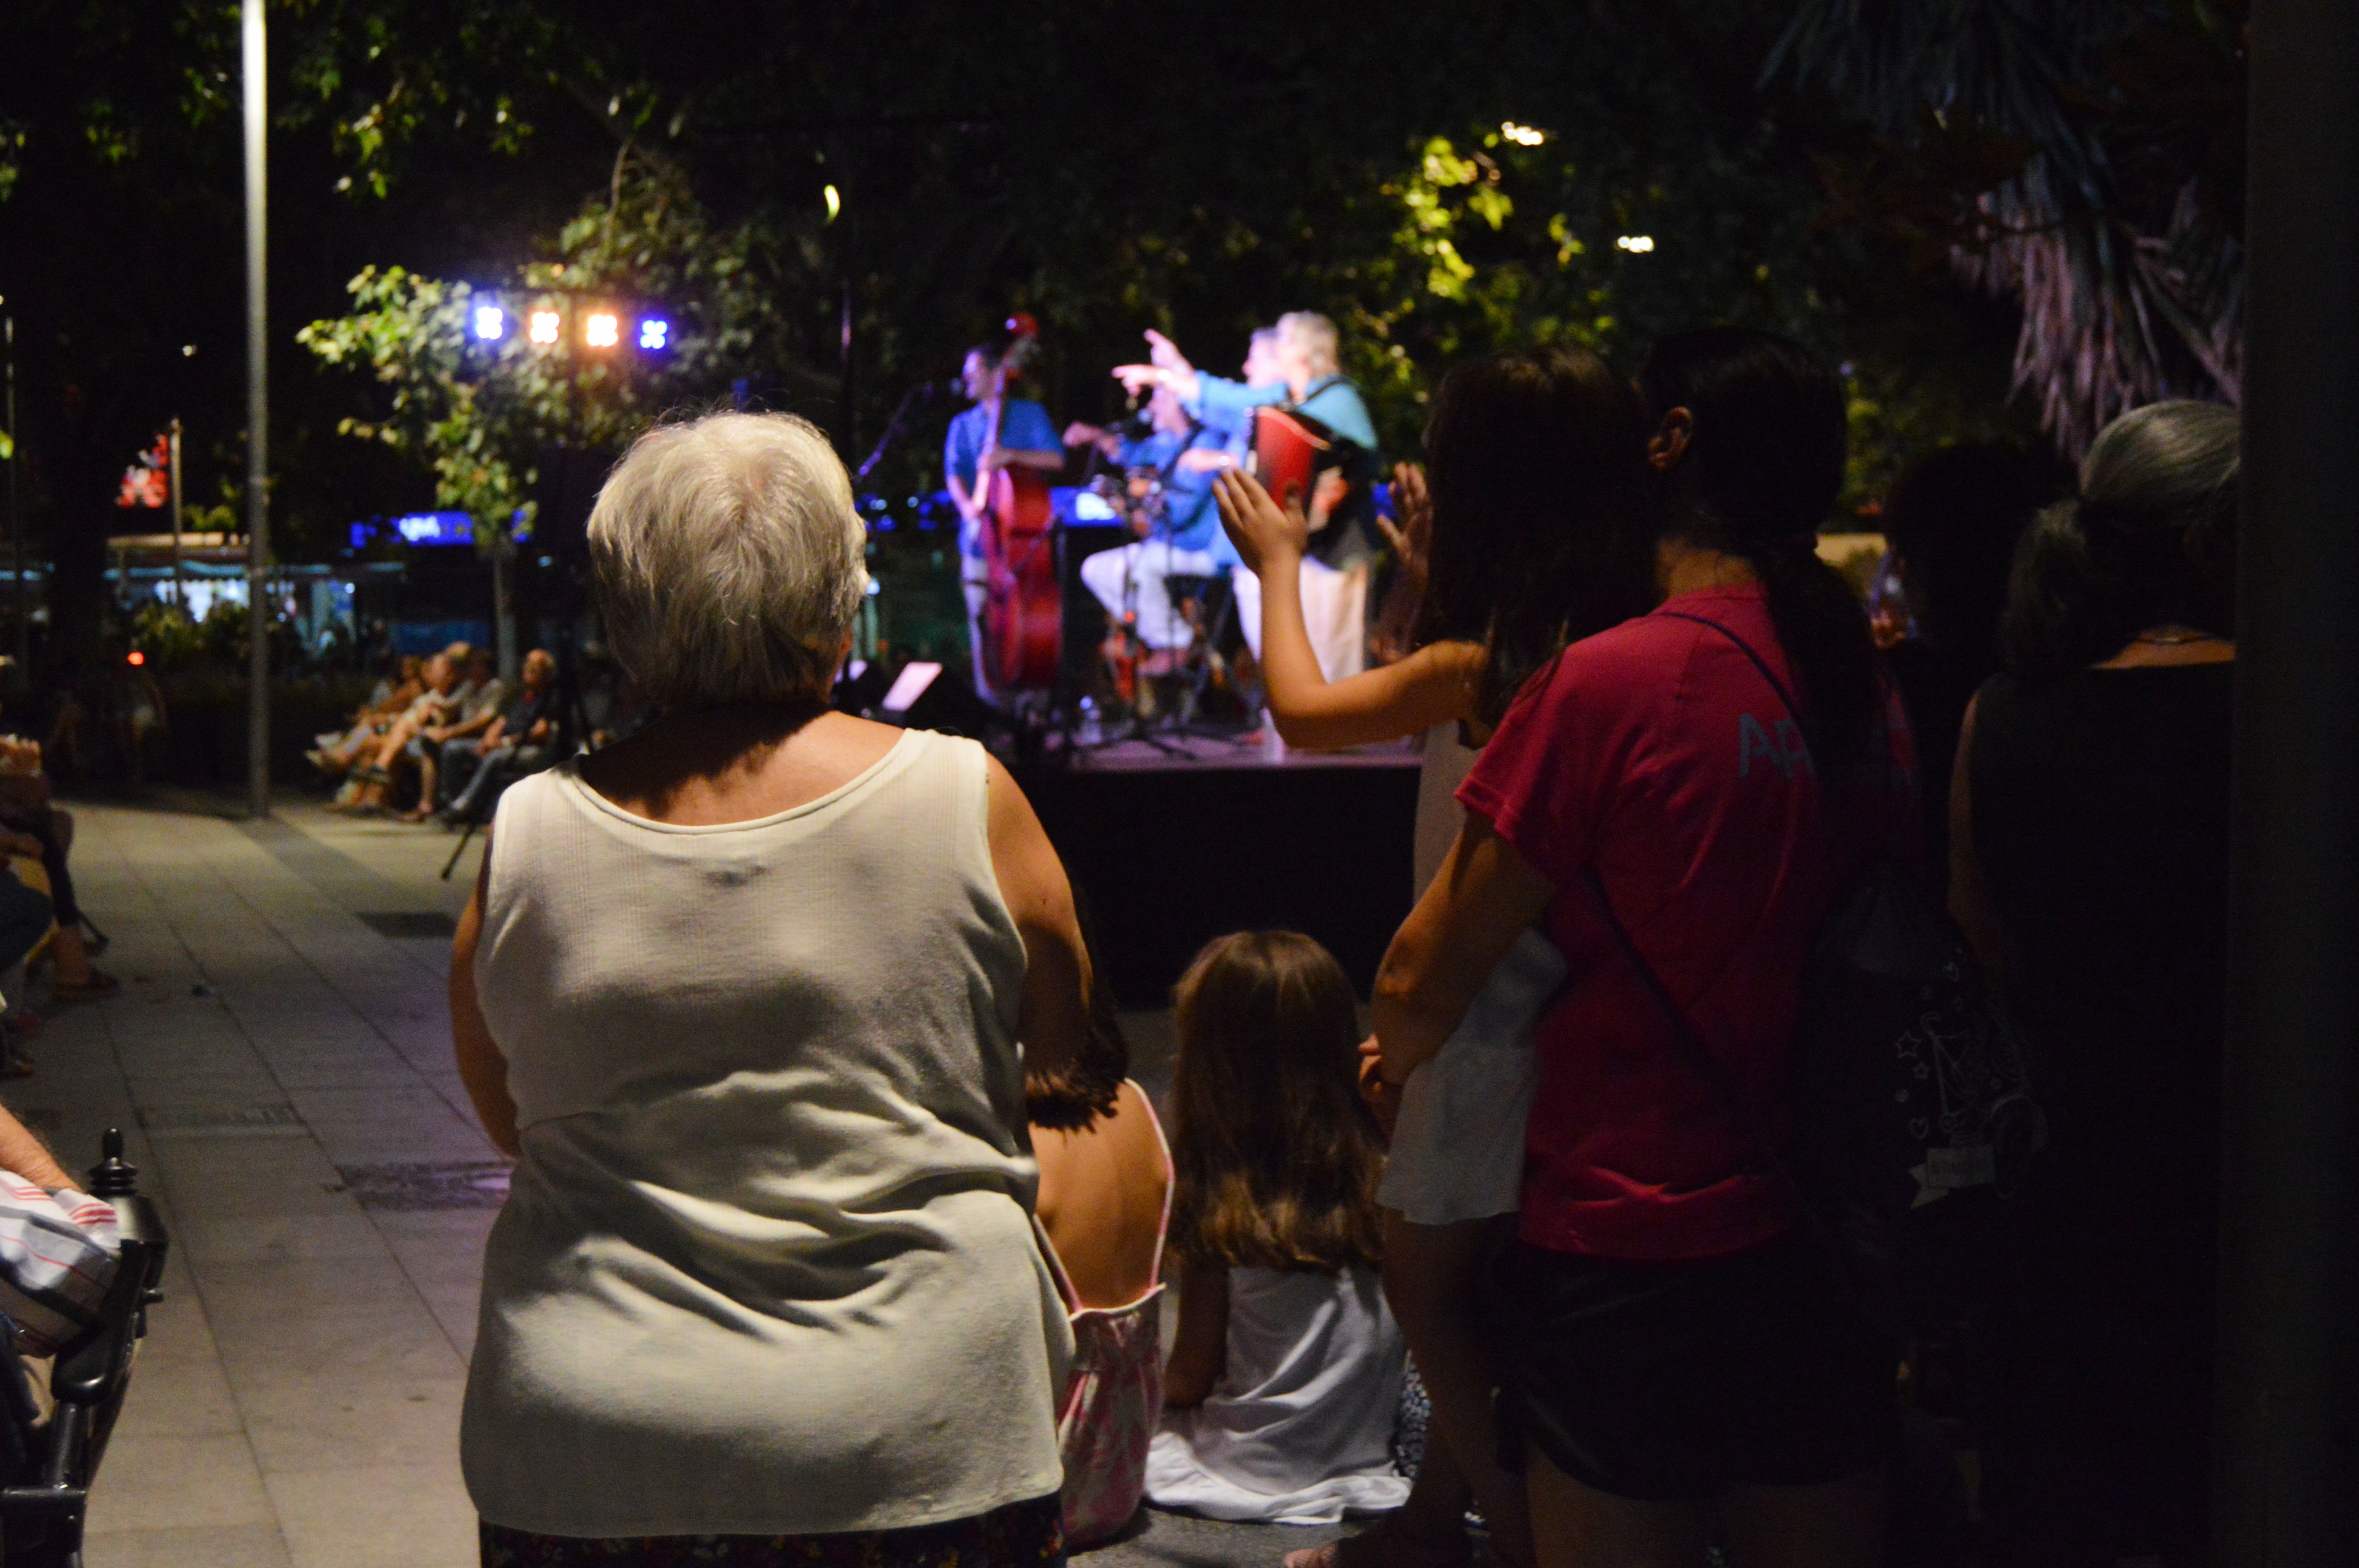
[(1682, 1361)]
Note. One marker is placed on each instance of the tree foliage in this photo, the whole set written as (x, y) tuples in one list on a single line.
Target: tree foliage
[(478, 414), (2084, 160)]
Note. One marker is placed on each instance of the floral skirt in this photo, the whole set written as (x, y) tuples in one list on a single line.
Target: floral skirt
[(1020, 1535)]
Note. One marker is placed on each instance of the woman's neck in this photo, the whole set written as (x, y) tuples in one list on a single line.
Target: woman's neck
[(1681, 567)]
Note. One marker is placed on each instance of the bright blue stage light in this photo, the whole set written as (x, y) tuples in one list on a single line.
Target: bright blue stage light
[(491, 323), (654, 333)]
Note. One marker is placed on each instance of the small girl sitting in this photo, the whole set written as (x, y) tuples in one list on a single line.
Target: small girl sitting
[(1285, 1377)]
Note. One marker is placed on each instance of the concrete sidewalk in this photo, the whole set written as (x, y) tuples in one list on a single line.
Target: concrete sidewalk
[(279, 1060)]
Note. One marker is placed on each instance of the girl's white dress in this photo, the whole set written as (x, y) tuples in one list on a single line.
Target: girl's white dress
[(1299, 1430), (1457, 1150)]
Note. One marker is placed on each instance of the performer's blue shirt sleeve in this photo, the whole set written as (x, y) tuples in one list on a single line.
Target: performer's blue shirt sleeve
[(1227, 407), (963, 444), (1025, 427)]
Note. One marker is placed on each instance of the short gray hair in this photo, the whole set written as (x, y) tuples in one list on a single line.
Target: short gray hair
[(726, 556), (1315, 337)]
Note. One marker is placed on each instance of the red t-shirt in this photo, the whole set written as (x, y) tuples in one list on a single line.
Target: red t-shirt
[(1657, 752)]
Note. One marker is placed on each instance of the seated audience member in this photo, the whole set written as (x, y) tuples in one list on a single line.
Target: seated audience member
[(2090, 846), (522, 740), (371, 783), (25, 917), (480, 696), (1285, 1377), (389, 700), (743, 995), (1104, 1205), (60, 1253), (27, 811), (1952, 520), (1682, 1359)]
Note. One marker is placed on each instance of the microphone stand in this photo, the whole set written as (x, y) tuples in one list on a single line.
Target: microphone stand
[(895, 427)]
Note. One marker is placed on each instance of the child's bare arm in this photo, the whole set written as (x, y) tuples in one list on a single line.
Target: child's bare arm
[(1200, 1350)]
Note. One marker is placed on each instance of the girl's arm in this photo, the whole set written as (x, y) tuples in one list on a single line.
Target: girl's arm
[(1484, 897), (1200, 1349), (1433, 685), (1970, 901)]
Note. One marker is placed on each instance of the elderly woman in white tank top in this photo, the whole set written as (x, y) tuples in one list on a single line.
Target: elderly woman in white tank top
[(743, 994)]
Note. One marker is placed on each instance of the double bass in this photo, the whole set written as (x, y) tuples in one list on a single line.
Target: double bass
[(1023, 620)]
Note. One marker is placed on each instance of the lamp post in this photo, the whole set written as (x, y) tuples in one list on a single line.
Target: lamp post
[(257, 417), (16, 507)]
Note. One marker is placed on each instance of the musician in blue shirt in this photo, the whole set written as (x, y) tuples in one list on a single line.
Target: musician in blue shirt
[(1130, 579), (1027, 439), (1294, 365)]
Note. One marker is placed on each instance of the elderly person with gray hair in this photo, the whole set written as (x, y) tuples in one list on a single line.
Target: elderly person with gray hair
[(744, 994), (2089, 845)]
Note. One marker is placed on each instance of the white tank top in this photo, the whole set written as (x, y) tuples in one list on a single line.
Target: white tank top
[(767, 1264), (1445, 766)]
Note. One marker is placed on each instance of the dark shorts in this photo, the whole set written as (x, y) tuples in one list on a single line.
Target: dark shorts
[(1673, 1382), (1021, 1535)]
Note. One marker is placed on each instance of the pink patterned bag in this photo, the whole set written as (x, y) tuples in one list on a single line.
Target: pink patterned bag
[(1114, 1395)]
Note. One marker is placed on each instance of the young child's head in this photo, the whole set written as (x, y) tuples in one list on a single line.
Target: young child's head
[(1277, 1158)]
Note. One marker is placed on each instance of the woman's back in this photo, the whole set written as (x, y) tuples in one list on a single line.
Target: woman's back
[(2099, 817), (768, 1095), (1105, 1194)]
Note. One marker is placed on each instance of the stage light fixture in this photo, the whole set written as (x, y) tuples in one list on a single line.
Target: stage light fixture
[(1636, 244), (601, 330), (543, 326), (491, 323), (655, 334)]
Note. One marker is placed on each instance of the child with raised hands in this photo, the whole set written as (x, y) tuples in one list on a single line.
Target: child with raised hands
[(1527, 530)]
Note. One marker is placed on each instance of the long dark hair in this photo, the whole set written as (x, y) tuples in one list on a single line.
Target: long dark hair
[(1761, 471), (2150, 540), (1071, 1101), (1275, 1159), (1954, 517), (1533, 462)]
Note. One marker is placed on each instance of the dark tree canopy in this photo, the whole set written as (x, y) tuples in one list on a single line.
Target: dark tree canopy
[(1107, 166)]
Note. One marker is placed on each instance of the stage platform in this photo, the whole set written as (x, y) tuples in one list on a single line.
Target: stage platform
[(1176, 842)]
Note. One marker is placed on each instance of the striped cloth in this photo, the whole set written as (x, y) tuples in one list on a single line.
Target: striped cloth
[(58, 1256)]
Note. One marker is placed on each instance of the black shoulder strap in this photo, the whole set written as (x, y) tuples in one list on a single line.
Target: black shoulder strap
[(1793, 709), (1697, 1055)]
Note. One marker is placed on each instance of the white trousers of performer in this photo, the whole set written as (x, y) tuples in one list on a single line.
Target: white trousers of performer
[(974, 578), (1133, 577), (1335, 612)]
